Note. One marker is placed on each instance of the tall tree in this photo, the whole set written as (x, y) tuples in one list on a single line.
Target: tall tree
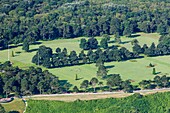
[(94, 82), (25, 46), (102, 71), (84, 85)]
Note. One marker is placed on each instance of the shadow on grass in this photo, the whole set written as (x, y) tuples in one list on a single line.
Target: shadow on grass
[(134, 36), (108, 67), (157, 73), (32, 50), (14, 112), (80, 78), (125, 42)]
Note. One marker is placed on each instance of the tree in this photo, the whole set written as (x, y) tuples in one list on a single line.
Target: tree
[(137, 49), (2, 110), (100, 84), (165, 81), (99, 62), (127, 87), (83, 44), (75, 89), (84, 84), (25, 46), (117, 38), (114, 81), (157, 81), (93, 43), (93, 82), (76, 77), (154, 71), (134, 42), (58, 50), (104, 43), (144, 84), (67, 86), (12, 54), (102, 72)]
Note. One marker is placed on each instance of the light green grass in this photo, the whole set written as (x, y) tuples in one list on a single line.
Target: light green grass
[(15, 105), (136, 71)]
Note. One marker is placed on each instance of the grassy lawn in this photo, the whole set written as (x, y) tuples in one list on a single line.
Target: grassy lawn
[(15, 105), (136, 71)]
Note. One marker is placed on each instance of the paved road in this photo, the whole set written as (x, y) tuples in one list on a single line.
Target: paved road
[(101, 93)]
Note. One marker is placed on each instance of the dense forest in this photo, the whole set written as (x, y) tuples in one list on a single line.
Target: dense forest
[(155, 103), (32, 20), (28, 82)]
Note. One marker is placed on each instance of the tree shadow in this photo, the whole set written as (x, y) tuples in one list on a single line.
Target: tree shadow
[(113, 47), (62, 82), (134, 36), (108, 67), (112, 41), (125, 42), (157, 73), (36, 43), (14, 112), (32, 50), (80, 78)]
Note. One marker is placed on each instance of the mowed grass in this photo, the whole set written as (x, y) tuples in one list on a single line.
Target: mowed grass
[(136, 71), (15, 105)]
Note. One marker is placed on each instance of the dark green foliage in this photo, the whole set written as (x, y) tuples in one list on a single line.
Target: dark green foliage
[(155, 103), (102, 71), (114, 81), (154, 71), (75, 89), (48, 20), (14, 112), (91, 43), (2, 110), (25, 46), (137, 49), (46, 58), (104, 43), (93, 83), (84, 85), (28, 82)]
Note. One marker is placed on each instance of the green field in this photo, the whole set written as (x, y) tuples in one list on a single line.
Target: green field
[(136, 71), (155, 103), (15, 105)]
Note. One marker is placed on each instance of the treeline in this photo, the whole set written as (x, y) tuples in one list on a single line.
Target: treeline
[(28, 82), (47, 20), (114, 83), (157, 82), (60, 58), (163, 47)]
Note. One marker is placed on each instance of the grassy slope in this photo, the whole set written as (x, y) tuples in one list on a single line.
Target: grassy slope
[(128, 70), (16, 105), (156, 103)]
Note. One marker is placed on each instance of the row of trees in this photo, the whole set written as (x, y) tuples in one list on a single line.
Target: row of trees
[(45, 57), (114, 82), (30, 81), (163, 48), (157, 82), (92, 43), (50, 20)]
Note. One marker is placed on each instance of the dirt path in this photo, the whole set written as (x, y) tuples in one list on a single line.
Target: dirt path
[(91, 96)]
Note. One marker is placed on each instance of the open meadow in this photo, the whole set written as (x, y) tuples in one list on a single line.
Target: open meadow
[(136, 70)]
